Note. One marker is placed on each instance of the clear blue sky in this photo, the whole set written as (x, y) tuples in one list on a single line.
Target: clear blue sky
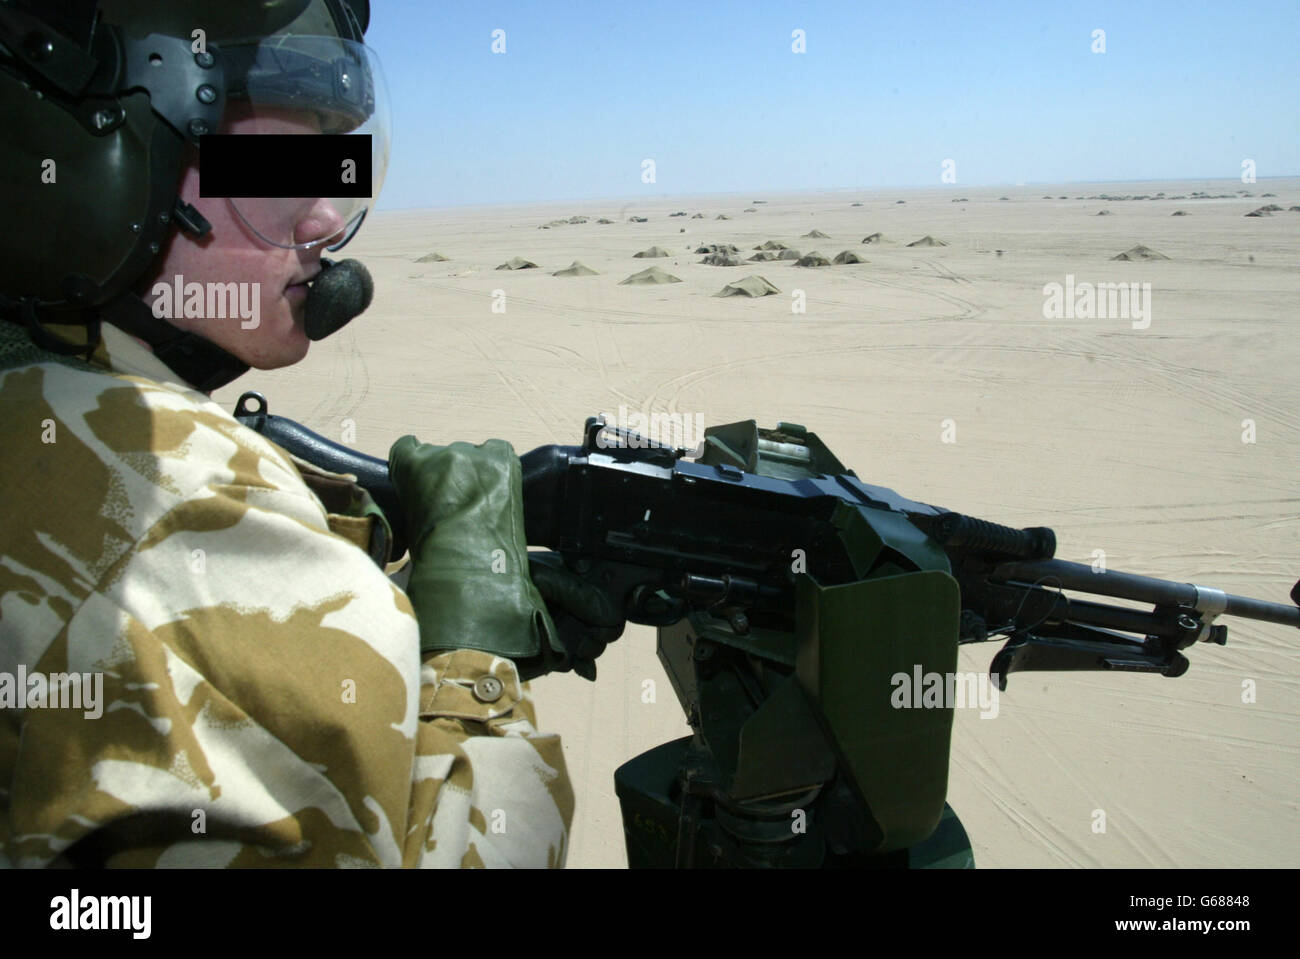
[(1011, 91)]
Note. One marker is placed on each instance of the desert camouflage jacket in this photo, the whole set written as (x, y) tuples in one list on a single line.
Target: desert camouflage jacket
[(196, 669)]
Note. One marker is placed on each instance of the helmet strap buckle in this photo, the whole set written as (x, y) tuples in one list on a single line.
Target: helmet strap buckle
[(190, 220), (49, 341)]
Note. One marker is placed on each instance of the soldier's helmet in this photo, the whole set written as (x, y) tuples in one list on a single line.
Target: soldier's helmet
[(102, 103)]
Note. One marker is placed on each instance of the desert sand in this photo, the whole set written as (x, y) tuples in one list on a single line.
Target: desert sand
[(1122, 439)]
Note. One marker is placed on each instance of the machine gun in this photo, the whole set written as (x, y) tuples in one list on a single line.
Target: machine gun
[(794, 603)]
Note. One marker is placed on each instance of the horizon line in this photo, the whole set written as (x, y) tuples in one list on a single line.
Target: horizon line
[(659, 197)]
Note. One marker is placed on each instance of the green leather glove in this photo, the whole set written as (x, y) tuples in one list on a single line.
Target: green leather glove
[(469, 582)]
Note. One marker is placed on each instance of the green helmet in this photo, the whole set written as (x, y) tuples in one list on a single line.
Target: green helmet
[(102, 104)]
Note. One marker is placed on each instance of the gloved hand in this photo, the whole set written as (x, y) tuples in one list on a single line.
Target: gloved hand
[(587, 619), (470, 584)]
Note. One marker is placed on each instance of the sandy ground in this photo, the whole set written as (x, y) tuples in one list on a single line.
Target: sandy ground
[(1124, 440)]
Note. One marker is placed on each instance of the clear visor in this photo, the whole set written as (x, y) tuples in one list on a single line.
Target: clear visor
[(307, 85)]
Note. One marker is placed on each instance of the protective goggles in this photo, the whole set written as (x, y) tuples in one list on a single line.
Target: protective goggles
[(305, 85)]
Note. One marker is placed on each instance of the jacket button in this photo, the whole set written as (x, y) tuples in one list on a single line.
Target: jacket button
[(488, 689)]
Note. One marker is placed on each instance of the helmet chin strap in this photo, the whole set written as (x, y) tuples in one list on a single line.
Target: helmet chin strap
[(199, 362), (340, 292)]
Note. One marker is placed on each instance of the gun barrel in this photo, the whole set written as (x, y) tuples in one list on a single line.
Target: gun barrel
[(1146, 589)]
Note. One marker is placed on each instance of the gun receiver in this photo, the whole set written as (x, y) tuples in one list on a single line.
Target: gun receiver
[(728, 532)]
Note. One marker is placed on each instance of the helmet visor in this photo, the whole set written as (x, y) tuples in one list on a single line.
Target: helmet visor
[(307, 85)]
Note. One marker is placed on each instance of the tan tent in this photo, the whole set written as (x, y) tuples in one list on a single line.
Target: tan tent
[(812, 259), (1139, 252), (771, 245), (815, 235), (517, 263), (649, 277), (432, 258), (765, 255), (720, 259), (788, 255), (577, 269), (604, 219), (749, 286), (654, 251), (927, 240), (848, 256)]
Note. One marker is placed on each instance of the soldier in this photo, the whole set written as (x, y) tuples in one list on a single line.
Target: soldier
[(251, 689)]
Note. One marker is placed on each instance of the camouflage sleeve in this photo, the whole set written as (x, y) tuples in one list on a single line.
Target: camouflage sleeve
[(263, 701)]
